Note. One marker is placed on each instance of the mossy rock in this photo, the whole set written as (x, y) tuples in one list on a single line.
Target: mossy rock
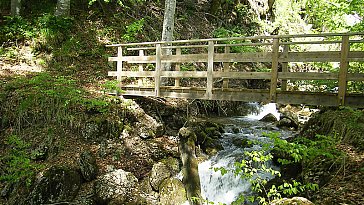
[(57, 184), (172, 191), (242, 143)]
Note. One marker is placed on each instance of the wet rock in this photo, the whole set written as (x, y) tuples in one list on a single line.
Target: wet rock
[(288, 120), (172, 191), (292, 201), (159, 172), (57, 184), (269, 118), (88, 165), (241, 143), (116, 186), (191, 179), (235, 129), (286, 123)]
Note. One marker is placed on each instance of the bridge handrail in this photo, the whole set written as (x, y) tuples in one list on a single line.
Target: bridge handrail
[(238, 39)]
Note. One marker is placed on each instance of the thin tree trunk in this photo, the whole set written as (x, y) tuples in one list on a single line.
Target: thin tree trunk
[(63, 8), (167, 32), (15, 7)]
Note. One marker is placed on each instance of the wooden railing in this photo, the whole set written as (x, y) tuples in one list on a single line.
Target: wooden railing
[(216, 59)]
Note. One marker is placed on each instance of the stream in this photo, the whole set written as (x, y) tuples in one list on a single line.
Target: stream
[(225, 189)]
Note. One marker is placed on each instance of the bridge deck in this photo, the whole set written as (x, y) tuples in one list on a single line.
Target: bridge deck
[(218, 66)]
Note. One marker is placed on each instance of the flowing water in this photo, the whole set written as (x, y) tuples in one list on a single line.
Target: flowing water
[(226, 188)]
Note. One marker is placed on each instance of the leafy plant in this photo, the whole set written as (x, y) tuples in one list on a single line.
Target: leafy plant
[(255, 163), (133, 30), (18, 164)]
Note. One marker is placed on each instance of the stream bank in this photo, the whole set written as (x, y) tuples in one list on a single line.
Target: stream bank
[(107, 150)]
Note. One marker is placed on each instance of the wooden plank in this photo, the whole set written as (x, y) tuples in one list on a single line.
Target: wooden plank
[(119, 64), (243, 57), (307, 98), (242, 75), (225, 82), (186, 58), (142, 74), (210, 69), (274, 76), (284, 66), (184, 74), (140, 80), (158, 69), (356, 56), (344, 64), (314, 56), (239, 38), (307, 76), (355, 76), (356, 101), (177, 68)]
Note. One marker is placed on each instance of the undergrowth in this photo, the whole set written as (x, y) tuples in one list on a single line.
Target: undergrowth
[(302, 151)]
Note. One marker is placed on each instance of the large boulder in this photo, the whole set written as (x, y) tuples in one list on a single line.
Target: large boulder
[(116, 186), (88, 165), (57, 184), (160, 172), (269, 118), (172, 192), (292, 201)]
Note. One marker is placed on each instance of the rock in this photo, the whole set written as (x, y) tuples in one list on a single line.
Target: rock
[(88, 165), (287, 122), (269, 118), (292, 201), (191, 179), (159, 172), (40, 153), (172, 191), (116, 186), (235, 129), (172, 164), (58, 184), (241, 143), (147, 192)]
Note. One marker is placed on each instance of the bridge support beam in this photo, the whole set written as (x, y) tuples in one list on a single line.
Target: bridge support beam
[(158, 67), (344, 65), (274, 77), (210, 69)]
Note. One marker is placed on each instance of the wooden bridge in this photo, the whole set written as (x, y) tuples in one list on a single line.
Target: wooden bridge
[(221, 69)]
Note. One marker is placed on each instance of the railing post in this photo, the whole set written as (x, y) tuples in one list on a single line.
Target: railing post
[(158, 67), (119, 63), (178, 68), (140, 80), (225, 82), (273, 81), (285, 67), (344, 64), (210, 69)]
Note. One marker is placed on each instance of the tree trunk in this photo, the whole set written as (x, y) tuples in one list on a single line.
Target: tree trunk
[(167, 32), (15, 7), (63, 8)]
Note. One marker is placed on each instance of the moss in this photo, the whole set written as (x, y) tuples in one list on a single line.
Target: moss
[(345, 125)]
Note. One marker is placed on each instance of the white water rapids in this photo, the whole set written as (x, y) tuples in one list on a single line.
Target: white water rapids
[(225, 189)]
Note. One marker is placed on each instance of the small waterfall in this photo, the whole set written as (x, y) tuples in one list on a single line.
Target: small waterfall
[(226, 188)]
